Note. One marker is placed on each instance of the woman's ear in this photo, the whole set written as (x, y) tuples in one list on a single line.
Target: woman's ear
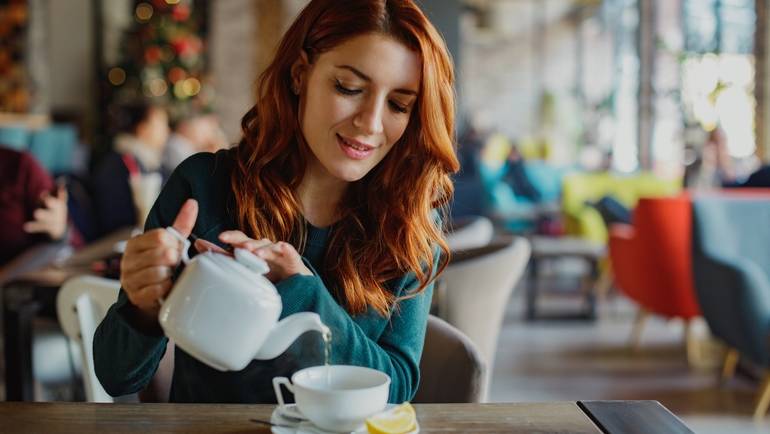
[(298, 72)]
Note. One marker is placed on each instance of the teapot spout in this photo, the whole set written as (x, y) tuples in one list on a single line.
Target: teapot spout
[(287, 331)]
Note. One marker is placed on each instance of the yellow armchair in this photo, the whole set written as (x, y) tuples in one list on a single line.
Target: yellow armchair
[(584, 221)]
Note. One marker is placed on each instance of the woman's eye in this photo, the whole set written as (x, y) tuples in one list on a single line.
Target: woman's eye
[(346, 91), (398, 107)]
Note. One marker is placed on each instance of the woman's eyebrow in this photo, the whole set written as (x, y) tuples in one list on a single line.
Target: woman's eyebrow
[(366, 78)]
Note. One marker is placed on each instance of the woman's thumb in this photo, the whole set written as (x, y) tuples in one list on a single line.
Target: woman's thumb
[(185, 220)]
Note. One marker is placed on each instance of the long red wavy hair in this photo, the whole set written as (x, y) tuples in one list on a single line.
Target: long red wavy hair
[(386, 223)]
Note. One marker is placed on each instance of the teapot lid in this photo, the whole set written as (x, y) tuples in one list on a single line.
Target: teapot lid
[(251, 261), (252, 269)]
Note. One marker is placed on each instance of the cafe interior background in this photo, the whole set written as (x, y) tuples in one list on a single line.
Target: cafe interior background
[(609, 222)]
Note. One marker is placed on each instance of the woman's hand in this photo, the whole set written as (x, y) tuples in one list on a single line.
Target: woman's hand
[(150, 259), (282, 258)]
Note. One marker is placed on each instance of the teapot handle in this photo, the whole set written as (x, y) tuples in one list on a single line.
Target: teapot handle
[(185, 243), (185, 247)]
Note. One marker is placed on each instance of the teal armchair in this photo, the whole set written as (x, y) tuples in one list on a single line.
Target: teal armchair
[(731, 266)]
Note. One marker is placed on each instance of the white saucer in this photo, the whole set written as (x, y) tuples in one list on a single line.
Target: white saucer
[(289, 414)]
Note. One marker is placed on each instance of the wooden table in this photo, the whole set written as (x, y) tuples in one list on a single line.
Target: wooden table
[(29, 286), (550, 417), (234, 418)]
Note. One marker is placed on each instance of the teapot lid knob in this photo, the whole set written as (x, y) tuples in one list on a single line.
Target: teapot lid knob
[(250, 261)]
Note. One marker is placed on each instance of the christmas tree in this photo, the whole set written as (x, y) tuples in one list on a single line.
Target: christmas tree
[(14, 84), (164, 58)]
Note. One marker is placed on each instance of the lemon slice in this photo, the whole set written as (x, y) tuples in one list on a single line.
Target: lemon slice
[(398, 420)]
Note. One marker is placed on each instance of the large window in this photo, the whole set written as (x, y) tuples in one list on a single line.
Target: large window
[(704, 77)]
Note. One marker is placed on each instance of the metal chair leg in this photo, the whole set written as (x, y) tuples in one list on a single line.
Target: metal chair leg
[(730, 363), (636, 332)]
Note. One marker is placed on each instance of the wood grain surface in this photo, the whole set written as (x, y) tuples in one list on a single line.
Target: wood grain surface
[(21, 417)]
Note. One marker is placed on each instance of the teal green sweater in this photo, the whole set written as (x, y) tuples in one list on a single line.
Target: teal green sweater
[(126, 357)]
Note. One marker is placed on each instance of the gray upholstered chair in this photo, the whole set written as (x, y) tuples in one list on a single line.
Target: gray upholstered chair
[(451, 369), (475, 289), (470, 233)]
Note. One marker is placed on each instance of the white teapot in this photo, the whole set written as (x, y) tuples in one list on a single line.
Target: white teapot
[(224, 312)]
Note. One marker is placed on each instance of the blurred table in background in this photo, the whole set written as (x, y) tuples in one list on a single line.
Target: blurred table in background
[(29, 287), (547, 248)]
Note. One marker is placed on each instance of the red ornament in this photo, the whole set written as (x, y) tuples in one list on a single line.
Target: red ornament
[(179, 45), (152, 55), (181, 12), (186, 46), (176, 73)]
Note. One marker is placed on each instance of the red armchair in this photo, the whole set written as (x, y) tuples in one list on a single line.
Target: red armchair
[(652, 260)]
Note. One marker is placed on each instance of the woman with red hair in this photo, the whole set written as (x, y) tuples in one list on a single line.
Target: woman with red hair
[(337, 183)]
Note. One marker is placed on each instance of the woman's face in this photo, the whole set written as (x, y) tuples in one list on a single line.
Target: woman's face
[(355, 103)]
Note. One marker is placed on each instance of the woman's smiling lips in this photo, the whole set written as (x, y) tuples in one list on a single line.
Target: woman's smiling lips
[(354, 149)]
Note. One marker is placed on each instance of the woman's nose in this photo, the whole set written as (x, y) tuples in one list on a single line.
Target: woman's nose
[(369, 118)]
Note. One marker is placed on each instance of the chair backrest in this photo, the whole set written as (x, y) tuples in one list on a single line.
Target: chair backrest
[(477, 232), (451, 369), (577, 188), (14, 137), (477, 286), (82, 302), (658, 258), (54, 147), (735, 225)]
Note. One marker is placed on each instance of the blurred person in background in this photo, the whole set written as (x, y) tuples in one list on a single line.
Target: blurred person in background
[(516, 176), (132, 169), (32, 208), (196, 133), (713, 167)]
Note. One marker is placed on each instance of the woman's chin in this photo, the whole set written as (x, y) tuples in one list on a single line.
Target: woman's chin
[(348, 174)]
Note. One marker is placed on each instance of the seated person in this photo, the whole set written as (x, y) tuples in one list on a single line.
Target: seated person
[(138, 151), (197, 133), (32, 210), (759, 179), (516, 177), (611, 210), (333, 184)]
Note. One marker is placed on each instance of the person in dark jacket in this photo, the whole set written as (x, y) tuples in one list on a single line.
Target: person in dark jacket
[(132, 169)]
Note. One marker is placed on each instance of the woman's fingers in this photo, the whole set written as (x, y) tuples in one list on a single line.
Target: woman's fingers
[(168, 257), (255, 245), (151, 240), (150, 276), (233, 237), (240, 240), (147, 297), (272, 252), (202, 245)]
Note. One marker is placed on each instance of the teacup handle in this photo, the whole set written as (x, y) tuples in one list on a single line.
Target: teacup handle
[(277, 381), (185, 247)]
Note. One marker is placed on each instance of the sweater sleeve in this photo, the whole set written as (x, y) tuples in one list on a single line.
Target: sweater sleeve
[(125, 357), (398, 349)]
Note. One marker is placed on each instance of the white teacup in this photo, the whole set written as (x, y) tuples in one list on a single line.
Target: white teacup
[(336, 397)]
